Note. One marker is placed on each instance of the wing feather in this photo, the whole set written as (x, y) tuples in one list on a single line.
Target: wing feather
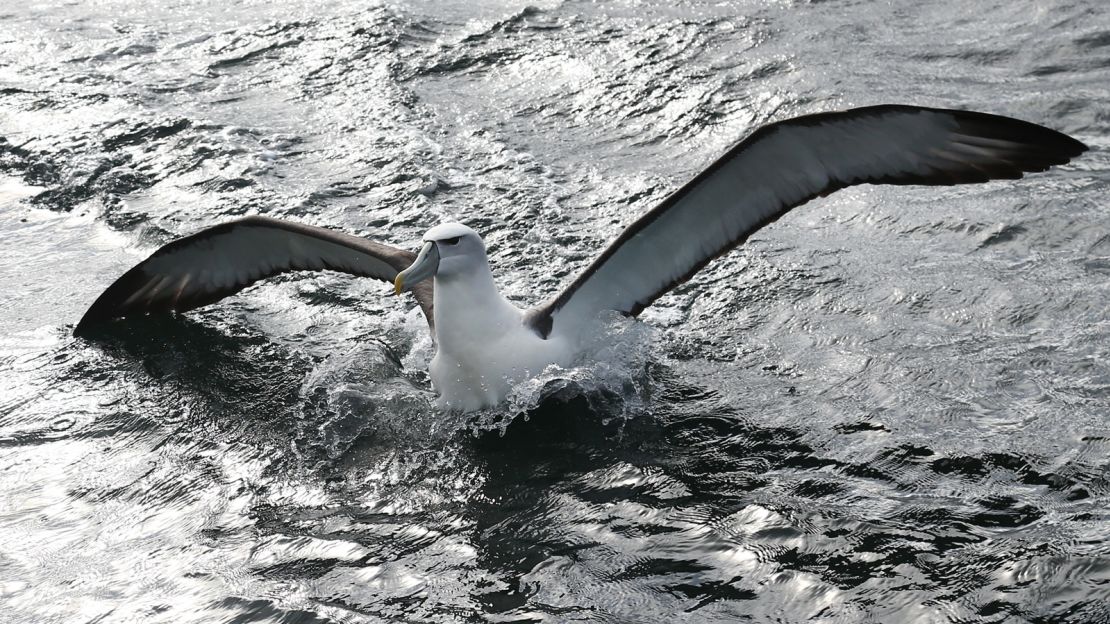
[(783, 165), (222, 260)]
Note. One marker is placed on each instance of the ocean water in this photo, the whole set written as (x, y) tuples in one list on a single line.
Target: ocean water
[(893, 405)]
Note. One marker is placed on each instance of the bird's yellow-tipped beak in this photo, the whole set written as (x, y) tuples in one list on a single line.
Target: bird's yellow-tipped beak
[(425, 265)]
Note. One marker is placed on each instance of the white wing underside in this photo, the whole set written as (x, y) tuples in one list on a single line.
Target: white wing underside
[(782, 166)]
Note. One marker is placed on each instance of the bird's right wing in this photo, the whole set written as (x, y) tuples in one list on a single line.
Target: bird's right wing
[(222, 260), (783, 165)]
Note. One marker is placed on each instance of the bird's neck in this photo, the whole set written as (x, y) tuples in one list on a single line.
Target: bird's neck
[(470, 305)]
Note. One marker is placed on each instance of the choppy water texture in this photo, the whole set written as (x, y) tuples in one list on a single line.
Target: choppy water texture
[(891, 406)]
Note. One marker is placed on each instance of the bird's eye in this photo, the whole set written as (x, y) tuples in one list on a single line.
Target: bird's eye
[(450, 241)]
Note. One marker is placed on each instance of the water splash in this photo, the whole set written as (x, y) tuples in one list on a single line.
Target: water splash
[(612, 375)]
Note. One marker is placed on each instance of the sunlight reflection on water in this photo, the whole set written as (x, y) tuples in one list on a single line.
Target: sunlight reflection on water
[(890, 406)]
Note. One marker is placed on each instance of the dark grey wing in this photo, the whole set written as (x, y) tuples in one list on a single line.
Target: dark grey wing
[(222, 260), (783, 165)]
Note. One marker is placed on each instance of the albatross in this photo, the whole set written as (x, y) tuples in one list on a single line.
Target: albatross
[(484, 344)]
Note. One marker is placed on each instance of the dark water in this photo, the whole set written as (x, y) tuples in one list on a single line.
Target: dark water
[(891, 406)]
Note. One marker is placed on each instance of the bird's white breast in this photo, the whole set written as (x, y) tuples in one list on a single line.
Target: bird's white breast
[(483, 347)]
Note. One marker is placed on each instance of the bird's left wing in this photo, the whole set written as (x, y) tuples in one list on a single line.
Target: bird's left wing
[(783, 165), (222, 260)]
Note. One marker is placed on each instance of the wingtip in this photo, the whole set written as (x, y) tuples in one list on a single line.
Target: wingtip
[(1066, 146), (1059, 147), (94, 317), (81, 329), (1079, 146), (111, 304)]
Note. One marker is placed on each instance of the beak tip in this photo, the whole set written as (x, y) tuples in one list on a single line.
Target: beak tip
[(423, 267)]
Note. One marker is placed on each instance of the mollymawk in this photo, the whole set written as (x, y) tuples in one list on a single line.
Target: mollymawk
[(485, 344)]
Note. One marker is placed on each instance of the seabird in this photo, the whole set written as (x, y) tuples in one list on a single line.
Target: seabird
[(485, 344)]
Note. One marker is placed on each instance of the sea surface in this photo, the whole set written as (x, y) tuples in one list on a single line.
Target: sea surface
[(893, 405)]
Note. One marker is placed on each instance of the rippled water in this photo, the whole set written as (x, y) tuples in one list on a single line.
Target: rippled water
[(892, 405)]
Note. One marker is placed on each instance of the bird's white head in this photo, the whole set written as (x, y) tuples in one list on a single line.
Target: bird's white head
[(450, 250)]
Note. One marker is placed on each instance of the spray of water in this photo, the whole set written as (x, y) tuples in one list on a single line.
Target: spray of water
[(370, 392)]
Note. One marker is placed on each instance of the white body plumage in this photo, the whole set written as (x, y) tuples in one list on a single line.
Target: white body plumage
[(483, 344)]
